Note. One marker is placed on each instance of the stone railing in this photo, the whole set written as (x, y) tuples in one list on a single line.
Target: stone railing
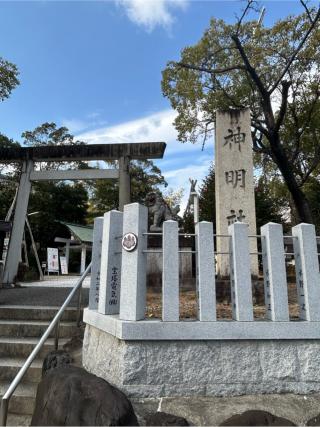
[(118, 282)]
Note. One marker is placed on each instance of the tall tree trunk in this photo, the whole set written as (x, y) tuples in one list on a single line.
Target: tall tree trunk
[(298, 197)]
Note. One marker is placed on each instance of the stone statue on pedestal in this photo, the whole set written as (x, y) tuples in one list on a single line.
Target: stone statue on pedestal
[(159, 211)]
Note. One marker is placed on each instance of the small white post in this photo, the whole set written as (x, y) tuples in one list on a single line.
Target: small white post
[(83, 258), (196, 207), (307, 271), (67, 253), (95, 263), (170, 272), (134, 264), (240, 276), (274, 272), (110, 269), (206, 286)]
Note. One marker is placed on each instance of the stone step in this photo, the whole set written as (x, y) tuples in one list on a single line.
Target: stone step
[(22, 347), (34, 328), (23, 399), (18, 420), (9, 367), (18, 312)]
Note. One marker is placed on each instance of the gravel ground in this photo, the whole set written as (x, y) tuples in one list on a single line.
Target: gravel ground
[(55, 296)]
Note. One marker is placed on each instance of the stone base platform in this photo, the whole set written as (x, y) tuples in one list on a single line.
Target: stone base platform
[(212, 411), (169, 368)]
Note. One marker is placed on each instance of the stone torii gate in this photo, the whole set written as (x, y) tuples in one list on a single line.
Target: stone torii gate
[(123, 153)]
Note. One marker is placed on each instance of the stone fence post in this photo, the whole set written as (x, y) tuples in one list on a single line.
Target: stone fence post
[(240, 274), (96, 261), (206, 286), (170, 272), (307, 271), (110, 273), (274, 272), (134, 263)]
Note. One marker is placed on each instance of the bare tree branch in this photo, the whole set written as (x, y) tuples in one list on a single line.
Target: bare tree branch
[(259, 127), (249, 68), (284, 102), (295, 53), (304, 4), (207, 70), (244, 13)]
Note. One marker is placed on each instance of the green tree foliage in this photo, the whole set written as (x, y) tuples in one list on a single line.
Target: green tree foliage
[(6, 142), (274, 71), (312, 189), (8, 78), (268, 204), (268, 200), (7, 193), (207, 202), (54, 203), (48, 134), (104, 194)]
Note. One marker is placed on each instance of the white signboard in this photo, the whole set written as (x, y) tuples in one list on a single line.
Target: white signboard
[(53, 260), (63, 265)]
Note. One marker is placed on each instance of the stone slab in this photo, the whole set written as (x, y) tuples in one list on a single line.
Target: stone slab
[(195, 330), (151, 368)]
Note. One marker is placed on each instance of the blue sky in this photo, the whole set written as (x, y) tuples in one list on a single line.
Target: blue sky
[(95, 67)]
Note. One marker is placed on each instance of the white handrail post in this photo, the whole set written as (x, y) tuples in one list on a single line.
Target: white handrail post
[(240, 276), (170, 272), (206, 286), (274, 272), (95, 263), (134, 264), (307, 271), (110, 270)]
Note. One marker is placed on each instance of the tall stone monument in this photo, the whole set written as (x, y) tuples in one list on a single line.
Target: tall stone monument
[(234, 182)]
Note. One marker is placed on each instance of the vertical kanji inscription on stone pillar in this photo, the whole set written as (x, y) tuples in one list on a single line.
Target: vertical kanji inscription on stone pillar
[(234, 186)]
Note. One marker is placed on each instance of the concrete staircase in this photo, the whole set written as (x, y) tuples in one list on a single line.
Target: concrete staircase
[(20, 329)]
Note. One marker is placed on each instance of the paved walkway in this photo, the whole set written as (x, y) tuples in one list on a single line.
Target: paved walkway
[(51, 292), (55, 281)]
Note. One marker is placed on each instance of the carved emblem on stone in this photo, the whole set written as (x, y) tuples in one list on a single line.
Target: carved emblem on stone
[(159, 211), (129, 242)]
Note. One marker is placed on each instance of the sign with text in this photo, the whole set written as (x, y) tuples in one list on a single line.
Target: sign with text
[(63, 265), (53, 260), (234, 182)]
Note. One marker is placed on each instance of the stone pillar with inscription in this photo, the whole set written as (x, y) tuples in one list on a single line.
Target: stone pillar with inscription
[(234, 185)]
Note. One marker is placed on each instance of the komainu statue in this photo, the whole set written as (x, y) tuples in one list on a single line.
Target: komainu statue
[(159, 210)]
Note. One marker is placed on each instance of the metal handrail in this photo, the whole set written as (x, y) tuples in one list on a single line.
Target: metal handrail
[(54, 324)]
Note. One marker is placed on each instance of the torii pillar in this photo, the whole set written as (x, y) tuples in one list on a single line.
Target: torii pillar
[(27, 156)]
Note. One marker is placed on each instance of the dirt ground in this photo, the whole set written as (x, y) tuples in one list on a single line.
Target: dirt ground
[(188, 305)]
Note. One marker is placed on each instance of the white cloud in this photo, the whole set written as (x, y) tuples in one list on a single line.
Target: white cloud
[(74, 125), (91, 120), (152, 13), (180, 162), (153, 127)]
